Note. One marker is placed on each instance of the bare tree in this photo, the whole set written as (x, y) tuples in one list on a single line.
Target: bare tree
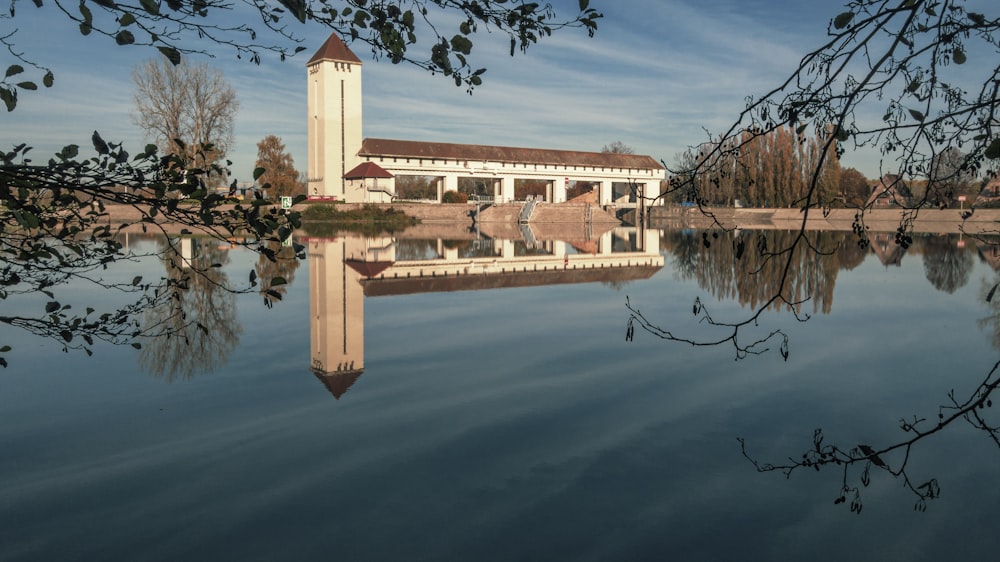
[(186, 110), (618, 147)]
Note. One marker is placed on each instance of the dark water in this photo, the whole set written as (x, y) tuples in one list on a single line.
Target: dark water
[(516, 423)]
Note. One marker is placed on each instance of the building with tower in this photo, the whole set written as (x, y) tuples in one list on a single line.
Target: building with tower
[(344, 166)]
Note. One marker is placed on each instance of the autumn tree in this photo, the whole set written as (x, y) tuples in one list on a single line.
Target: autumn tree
[(771, 170), (854, 187), (276, 168), (185, 109)]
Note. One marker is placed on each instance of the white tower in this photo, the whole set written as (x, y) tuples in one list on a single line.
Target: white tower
[(334, 118)]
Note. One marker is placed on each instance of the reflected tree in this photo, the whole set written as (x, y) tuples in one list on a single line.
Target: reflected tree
[(276, 268), (409, 250), (946, 266), (202, 328)]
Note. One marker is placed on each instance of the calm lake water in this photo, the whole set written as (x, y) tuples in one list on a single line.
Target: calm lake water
[(500, 416)]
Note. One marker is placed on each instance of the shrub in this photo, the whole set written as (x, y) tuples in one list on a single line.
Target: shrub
[(454, 197)]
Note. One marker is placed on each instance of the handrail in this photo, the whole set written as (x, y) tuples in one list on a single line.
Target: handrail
[(527, 209)]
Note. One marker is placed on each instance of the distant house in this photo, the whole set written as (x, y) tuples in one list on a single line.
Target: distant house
[(990, 194), (891, 191)]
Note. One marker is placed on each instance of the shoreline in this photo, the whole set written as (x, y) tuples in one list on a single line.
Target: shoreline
[(876, 220)]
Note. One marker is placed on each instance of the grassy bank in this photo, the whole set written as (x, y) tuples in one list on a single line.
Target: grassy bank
[(323, 218)]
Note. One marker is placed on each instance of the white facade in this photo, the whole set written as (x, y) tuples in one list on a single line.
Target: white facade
[(336, 146), (334, 130)]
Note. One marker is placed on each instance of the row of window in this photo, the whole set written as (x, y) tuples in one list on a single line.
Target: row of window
[(465, 163)]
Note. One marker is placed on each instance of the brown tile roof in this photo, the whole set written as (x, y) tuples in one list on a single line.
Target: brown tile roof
[(367, 170), (369, 268), (408, 286), (476, 152), (334, 49)]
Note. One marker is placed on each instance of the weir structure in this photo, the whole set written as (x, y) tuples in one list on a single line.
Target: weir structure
[(344, 166)]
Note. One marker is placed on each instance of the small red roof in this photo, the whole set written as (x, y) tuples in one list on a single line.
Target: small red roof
[(369, 269), (366, 170), (334, 49)]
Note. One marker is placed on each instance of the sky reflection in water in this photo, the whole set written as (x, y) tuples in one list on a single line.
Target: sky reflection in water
[(514, 424)]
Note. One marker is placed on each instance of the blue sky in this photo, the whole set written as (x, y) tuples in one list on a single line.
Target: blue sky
[(654, 77)]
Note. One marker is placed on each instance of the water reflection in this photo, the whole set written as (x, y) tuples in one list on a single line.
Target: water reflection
[(344, 271), (739, 265), (199, 320)]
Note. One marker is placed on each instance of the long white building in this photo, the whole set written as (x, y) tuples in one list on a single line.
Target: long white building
[(346, 167)]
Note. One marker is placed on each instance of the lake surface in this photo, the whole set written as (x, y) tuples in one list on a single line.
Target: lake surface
[(489, 415)]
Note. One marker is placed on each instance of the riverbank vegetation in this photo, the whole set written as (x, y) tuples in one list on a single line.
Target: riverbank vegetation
[(320, 219)]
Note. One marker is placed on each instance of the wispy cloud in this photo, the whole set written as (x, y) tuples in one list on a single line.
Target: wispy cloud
[(655, 75)]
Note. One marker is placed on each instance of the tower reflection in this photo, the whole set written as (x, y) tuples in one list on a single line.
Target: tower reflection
[(343, 271)]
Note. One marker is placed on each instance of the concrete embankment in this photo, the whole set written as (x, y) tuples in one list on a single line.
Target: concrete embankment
[(447, 217), (877, 220)]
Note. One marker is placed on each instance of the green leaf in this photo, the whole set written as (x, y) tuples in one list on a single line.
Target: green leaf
[(172, 54), (843, 19), (257, 173), (99, 145), (297, 8), (48, 79), (85, 28), (69, 151), (275, 281), (27, 85), (87, 16), (14, 69), (51, 307), (958, 55), (9, 97), (150, 6), (584, 4), (993, 150), (917, 115), (124, 37), (461, 44), (126, 20), (66, 335)]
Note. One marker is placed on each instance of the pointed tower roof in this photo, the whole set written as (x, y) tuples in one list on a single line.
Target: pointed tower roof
[(334, 50)]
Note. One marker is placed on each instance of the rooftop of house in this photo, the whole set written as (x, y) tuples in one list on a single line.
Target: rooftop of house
[(506, 154)]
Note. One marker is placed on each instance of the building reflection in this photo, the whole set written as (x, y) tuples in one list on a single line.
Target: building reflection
[(343, 271)]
